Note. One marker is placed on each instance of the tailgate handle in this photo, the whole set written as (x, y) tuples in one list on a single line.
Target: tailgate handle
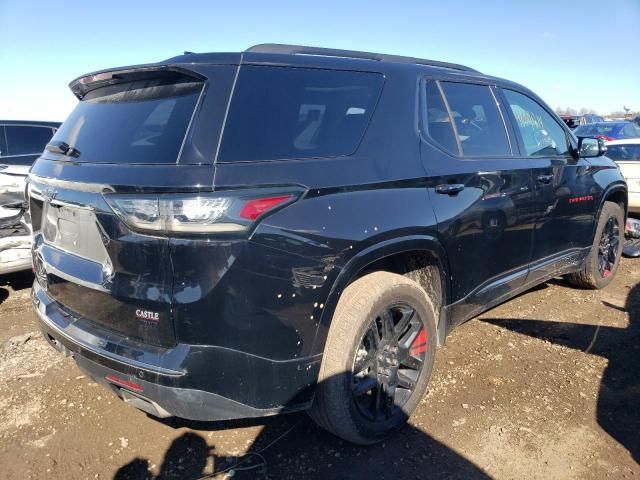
[(450, 188)]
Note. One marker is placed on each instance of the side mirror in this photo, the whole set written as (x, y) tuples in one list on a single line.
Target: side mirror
[(591, 147)]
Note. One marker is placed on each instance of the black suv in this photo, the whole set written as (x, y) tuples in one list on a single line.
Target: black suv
[(242, 234)]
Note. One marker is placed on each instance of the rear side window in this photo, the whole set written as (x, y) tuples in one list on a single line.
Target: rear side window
[(280, 113), (437, 119), (478, 122), (24, 140), (540, 133), (143, 121)]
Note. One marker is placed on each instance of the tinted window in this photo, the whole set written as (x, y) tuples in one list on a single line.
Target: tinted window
[(438, 122), (477, 119), (136, 122), (23, 140), (281, 113), (3, 142), (630, 130), (540, 133), (623, 152), (598, 129)]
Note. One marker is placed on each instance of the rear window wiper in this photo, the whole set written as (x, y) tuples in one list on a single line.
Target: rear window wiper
[(63, 148)]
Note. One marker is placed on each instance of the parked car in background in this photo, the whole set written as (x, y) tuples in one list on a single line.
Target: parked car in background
[(608, 131), (574, 121), (21, 142), (233, 235), (626, 153)]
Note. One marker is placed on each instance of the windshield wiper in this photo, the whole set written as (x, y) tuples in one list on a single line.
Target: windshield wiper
[(63, 148)]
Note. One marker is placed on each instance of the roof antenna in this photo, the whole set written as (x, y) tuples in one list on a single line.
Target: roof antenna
[(188, 53)]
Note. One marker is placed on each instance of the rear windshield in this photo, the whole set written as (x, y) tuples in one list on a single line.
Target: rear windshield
[(142, 121), (280, 113), (624, 152)]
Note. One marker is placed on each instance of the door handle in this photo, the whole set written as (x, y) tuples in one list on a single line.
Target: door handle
[(545, 179), (450, 188)]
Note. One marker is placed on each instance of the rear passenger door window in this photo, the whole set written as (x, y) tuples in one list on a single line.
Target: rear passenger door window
[(541, 135), (478, 123), (437, 121)]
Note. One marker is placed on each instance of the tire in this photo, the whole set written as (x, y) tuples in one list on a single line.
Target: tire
[(340, 406), (592, 275)]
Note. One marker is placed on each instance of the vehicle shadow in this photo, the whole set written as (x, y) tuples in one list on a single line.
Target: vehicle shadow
[(292, 446), (14, 281), (617, 409), (17, 280)]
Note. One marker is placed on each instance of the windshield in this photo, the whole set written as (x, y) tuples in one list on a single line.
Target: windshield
[(142, 121), (623, 152)]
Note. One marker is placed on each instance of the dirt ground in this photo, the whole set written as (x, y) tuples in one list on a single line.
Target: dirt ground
[(545, 386)]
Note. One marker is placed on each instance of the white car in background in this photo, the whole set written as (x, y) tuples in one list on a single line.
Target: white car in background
[(626, 153), (21, 143)]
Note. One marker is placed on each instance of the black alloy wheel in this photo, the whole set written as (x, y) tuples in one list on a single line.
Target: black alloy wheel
[(608, 248), (388, 362)]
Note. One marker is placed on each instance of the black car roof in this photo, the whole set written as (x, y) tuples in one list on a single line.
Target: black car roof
[(277, 49), (298, 55), (32, 123), (301, 56)]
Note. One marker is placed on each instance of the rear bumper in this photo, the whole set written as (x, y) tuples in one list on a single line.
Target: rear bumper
[(188, 381)]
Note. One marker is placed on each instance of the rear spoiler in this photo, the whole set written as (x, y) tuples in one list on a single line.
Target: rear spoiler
[(85, 84)]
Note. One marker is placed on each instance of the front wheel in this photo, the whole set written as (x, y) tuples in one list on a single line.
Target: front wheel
[(602, 262), (378, 358)]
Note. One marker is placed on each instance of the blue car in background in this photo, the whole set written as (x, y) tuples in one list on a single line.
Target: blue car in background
[(608, 131)]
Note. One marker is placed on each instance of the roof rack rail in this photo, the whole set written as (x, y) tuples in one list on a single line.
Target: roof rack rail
[(278, 48)]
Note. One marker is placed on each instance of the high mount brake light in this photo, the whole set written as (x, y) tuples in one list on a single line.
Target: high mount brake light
[(171, 214)]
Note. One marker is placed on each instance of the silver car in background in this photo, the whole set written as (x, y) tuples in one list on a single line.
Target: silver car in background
[(21, 142)]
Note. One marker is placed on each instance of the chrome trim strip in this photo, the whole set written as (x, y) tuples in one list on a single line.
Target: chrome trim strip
[(70, 278), (72, 185), (62, 203), (34, 192), (20, 155)]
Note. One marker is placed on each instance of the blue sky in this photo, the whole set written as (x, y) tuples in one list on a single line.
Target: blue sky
[(572, 53)]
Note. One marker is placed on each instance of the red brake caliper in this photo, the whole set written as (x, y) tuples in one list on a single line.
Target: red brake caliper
[(419, 345)]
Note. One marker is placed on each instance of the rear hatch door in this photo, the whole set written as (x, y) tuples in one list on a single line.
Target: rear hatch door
[(133, 131)]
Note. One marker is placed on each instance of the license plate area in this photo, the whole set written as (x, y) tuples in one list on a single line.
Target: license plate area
[(74, 230)]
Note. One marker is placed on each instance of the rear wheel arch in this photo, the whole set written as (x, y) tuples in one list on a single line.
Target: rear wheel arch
[(616, 193), (420, 258)]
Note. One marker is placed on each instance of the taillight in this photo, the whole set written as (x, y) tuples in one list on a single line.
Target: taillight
[(215, 212), (254, 208), (605, 138)]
